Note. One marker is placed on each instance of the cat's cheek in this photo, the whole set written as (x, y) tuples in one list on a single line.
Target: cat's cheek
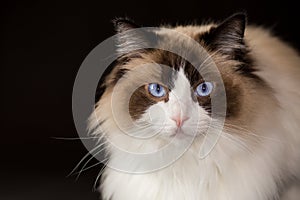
[(156, 114)]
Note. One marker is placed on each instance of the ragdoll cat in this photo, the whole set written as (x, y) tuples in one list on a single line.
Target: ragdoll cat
[(152, 99)]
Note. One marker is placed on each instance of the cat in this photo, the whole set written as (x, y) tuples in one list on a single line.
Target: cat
[(152, 98)]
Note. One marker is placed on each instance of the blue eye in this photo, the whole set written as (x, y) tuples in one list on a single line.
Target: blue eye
[(156, 90), (204, 89)]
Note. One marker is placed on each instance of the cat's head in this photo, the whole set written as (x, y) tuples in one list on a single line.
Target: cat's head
[(152, 96)]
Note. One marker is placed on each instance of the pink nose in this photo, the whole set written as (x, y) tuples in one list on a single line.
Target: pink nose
[(179, 121)]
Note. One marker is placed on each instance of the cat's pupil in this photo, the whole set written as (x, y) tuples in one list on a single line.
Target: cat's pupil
[(204, 87), (158, 89)]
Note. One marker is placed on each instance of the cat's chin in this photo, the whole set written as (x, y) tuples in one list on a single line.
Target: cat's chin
[(182, 138)]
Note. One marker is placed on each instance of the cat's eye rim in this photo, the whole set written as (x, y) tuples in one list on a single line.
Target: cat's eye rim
[(209, 86), (158, 97)]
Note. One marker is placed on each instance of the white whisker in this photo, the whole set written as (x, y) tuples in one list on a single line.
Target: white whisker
[(98, 176), (74, 138), (93, 156), (86, 155)]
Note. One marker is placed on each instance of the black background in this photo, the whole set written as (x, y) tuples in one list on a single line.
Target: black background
[(42, 46)]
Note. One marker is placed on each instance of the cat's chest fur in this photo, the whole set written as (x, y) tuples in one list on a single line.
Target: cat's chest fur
[(189, 178)]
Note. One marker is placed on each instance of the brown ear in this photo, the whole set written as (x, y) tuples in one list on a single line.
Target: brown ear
[(131, 37), (228, 36), (124, 24)]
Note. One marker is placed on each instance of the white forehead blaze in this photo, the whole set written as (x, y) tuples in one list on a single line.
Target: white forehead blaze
[(180, 97), (182, 87)]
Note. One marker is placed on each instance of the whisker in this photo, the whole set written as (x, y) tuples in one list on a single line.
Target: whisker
[(252, 133), (93, 156), (86, 155), (98, 176), (74, 138), (237, 142), (84, 168), (103, 161), (240, 140)]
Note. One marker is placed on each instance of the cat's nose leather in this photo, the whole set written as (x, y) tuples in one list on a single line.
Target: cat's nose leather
[(179, 120)]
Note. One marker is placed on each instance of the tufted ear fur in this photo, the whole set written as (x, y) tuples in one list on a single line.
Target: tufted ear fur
[(130, 38), (228, 36), (124, 24)]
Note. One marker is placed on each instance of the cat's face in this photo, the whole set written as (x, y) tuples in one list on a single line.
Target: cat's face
[(181, 111), (153, 97), (165, 107)]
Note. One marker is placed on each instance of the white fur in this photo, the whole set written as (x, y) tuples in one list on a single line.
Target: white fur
[(237, 168)]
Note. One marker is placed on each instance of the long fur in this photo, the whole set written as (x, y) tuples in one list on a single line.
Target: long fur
[(257, 155)]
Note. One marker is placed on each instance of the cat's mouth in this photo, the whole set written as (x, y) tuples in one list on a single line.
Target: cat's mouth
[(179, 133)]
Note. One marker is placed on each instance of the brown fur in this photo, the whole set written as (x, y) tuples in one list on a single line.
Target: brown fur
[(242, 87)]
